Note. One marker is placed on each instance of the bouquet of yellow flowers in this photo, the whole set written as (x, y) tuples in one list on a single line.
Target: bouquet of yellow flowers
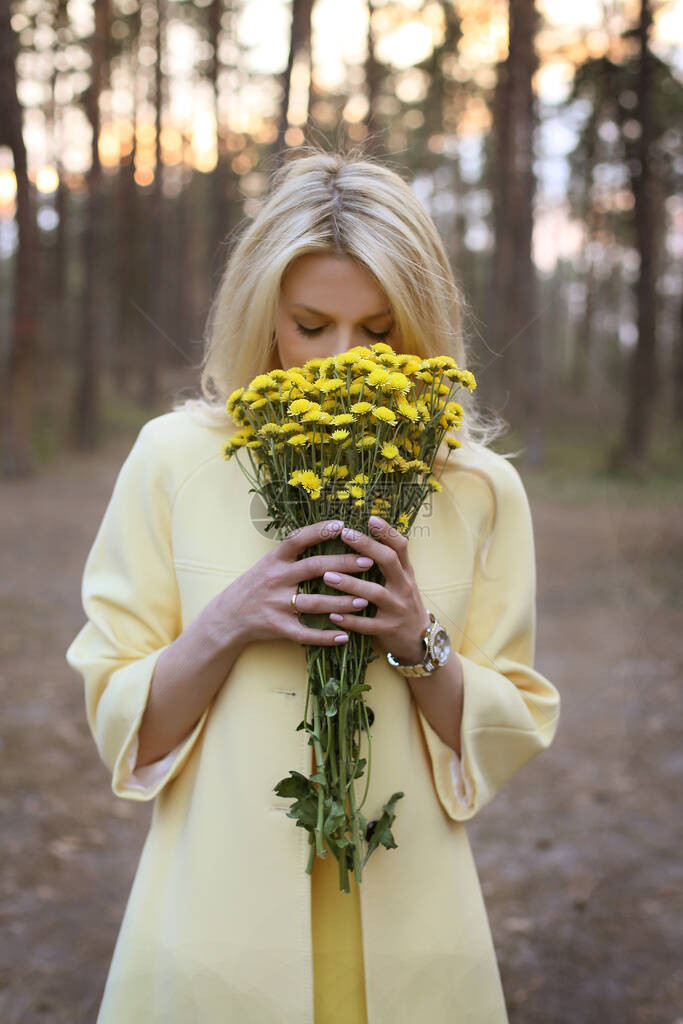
[(341, 437)]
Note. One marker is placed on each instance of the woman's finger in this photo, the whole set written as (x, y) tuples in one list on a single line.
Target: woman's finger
[(391, 557), (321, 604), (304, 536), (325, 637)]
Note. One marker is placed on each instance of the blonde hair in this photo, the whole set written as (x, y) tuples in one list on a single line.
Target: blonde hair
[(345, 203)]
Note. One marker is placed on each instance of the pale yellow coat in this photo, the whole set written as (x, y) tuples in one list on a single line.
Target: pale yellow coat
[(217, 927)]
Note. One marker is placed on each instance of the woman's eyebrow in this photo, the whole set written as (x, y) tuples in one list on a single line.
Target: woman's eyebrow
[(309, 309)]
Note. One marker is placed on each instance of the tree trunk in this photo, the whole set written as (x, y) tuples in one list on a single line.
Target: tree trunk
[(86, 418), (300, 38), (18, 397), (373, 143), (127, 246), (515, 304), (154, 348), (634, 448)]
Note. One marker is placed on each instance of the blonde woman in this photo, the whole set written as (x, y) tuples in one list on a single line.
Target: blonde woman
[(194, 662)]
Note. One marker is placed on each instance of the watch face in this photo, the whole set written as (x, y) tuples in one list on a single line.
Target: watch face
[(441, 646)]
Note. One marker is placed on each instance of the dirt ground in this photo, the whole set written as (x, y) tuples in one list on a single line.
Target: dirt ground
[(578, 856)]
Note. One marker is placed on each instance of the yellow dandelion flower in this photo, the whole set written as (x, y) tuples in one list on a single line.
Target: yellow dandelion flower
[(365, 366), (269, 428), (330, 385), (312, 416), (403, 522), (361, 407), (227, 450), (234, 399), (310, 480), (298, 406), (381, 346), (339, 435), (346, 358), (367, 442), (342, 495), (313, 364), (342, 419), (259, 403), (295, 478), (439, 362), (433, 484), (296, 440), (453, 442), (407, 409), (359, 503), (260, 383), (384, 414), (356, 491), (397, 382), (389, 451), (423, 410), (342, 472), (250, 396), (254, 444), (360, 478), (378, 377)]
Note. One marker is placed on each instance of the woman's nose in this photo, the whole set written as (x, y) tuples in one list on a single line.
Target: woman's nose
[(343, 339)]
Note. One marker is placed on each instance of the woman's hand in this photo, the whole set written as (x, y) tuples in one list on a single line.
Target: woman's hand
[(259, 601), (401, 615)]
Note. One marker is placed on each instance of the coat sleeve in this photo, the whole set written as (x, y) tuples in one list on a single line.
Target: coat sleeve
[(131, 601), (510, 711)]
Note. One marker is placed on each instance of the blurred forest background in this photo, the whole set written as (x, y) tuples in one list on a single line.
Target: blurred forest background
[(544, 137)]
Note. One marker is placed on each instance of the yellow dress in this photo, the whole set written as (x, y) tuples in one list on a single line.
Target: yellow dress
[(338, 968)]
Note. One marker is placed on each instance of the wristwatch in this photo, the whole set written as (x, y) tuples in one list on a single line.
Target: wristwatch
[(437, 648)]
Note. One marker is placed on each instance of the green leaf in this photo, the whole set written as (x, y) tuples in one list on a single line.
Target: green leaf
[(297, 785), (335, 817), (319, 776), (360, 768), (356, 690), (382, 833)]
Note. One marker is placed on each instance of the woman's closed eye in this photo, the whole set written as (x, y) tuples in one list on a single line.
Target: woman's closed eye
[(316, 330)]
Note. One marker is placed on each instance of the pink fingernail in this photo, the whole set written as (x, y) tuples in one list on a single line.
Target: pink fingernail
[(340, 637), (359, 602)]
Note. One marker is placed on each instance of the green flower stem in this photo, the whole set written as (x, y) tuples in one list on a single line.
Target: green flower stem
[(357, 867), (321, 793)]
